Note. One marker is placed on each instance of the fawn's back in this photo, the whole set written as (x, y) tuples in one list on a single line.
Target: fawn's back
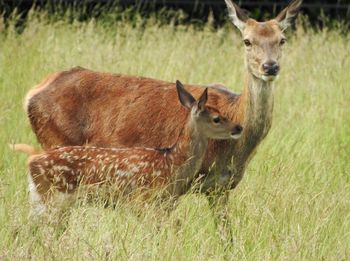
[(67, 168)]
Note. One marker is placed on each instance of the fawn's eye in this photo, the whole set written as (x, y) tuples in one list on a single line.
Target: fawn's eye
[(247, 43), (216, 120), (283, 41)]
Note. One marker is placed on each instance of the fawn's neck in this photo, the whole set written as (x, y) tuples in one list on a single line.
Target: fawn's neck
[(190, 147), (187, 156)]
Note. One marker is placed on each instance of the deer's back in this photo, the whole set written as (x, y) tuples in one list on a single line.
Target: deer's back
[(81, 106)]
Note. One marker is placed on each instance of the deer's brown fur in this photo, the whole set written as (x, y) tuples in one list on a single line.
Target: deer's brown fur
[(172, 169), (81, 106)]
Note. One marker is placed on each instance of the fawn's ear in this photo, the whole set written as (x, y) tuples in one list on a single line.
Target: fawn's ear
[(287, 16), (185, 97), (203, 100), (238, 17)]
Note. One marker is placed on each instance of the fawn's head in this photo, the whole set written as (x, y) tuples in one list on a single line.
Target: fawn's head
[(208, 120), (263, 40)]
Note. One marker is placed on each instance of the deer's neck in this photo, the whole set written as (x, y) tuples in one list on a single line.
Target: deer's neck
[(187, 156), (257, 104)]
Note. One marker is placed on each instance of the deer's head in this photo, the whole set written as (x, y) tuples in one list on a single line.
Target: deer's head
[(263, 40), (208, 120)]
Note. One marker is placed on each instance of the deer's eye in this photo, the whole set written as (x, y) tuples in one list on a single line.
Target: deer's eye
[(247, 43), (216, 120), (283, 41)]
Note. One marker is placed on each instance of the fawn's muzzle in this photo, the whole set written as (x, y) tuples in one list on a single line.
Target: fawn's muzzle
[(236, 131)]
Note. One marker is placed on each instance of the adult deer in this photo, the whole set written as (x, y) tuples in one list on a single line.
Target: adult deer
[(131, 171), (81, 106)]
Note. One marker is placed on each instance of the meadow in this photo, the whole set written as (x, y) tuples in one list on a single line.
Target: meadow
[(294, 201)]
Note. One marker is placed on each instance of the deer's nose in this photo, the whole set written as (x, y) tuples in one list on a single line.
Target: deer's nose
[(271, 68), (236, 130)]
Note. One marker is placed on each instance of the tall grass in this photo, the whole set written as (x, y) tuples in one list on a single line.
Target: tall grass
[(294, 201)]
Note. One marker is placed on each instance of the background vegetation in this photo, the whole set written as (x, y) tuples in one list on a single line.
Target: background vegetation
[(320, 13), (294, 202)]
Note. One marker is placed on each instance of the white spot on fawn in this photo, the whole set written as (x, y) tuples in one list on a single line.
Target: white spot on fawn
[(125, 161), (61, 168), (41, 170), (134, 169), (157, 173)]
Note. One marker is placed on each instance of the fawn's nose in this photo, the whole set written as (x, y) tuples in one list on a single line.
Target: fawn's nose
[(236, 131), (271, 68)]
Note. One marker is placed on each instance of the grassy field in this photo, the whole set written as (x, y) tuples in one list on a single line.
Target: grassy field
[(294, 201)]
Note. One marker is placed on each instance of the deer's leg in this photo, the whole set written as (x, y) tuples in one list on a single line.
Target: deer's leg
[(217, 185), (37, 206), (218, 202), (60, 211), (45, 201)]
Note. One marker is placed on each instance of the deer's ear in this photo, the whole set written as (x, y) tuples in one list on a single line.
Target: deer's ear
[(238, 17), (203, 100), (287, 16), (185, 97)]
